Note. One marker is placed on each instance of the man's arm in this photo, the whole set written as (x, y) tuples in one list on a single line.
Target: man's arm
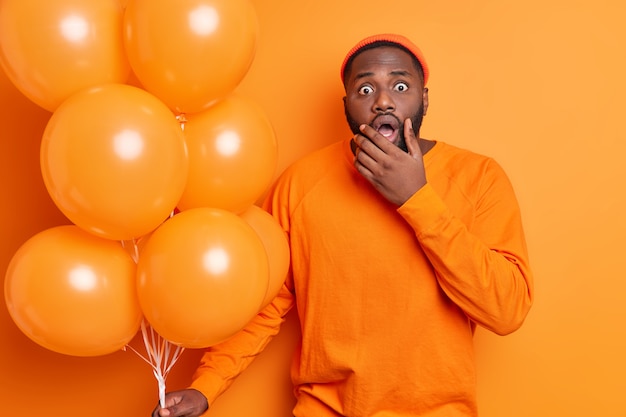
[(485, 271), (222, 363)]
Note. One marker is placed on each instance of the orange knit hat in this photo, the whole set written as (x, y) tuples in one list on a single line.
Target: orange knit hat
[(388, 37)]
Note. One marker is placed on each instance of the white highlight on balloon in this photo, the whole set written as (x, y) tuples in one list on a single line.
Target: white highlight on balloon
[(228, 143), (203, 20), (216, 261), (74, 28), (83, 278), (128, 144)]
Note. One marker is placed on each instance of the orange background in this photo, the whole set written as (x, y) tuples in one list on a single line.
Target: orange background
[(537, 84)]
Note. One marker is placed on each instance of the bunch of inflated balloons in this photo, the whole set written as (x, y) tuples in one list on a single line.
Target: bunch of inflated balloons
[(157, 164)]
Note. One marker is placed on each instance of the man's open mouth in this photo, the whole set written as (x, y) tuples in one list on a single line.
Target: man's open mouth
[(387, 125), (386, 130)]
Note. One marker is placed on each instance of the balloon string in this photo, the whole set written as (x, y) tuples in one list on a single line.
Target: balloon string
[(182, 119), (161, 355), (135, 249)]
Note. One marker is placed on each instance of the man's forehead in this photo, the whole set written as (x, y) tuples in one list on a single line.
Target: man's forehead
[(394, 59)]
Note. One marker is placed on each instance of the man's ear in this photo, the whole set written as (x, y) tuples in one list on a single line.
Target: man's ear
[(425, 100)]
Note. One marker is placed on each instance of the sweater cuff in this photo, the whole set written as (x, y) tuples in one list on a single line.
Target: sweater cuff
[(209, 385), (423, 210)]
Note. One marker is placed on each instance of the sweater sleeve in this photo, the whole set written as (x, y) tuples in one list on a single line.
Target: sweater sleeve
[(481, 266), (222, 363)]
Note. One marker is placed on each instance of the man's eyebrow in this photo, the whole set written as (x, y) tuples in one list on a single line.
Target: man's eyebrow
[(402, 73), (363, 75)]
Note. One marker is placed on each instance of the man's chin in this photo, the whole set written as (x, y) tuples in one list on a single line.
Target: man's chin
[(400, 142)]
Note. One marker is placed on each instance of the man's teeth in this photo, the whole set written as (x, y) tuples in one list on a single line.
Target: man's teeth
[(386, 130)]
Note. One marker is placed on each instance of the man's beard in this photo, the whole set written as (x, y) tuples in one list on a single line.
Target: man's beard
[(416, 118)]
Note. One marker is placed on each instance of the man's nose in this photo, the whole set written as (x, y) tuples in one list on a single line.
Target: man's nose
[(383, 103)]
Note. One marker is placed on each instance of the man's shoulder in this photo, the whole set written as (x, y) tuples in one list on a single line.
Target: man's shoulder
[(450, 151), (456, 157), (465, 168), (309, 169), (318, 160)]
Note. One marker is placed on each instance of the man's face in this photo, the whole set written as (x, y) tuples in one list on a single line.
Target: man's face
[(383, 88)]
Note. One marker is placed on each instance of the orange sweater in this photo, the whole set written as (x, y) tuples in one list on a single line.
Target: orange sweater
[(388, 297)]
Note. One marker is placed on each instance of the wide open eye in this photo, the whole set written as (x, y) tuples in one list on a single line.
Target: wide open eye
[(366, 90), (401, 87)]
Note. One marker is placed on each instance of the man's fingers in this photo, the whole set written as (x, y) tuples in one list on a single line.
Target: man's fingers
[(369, 149), (172, 399), (376, 138), (412, 142)]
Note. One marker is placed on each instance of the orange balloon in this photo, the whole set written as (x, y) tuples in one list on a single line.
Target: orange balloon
[(73, 293), (232, 155), (276, 245), (52, 49), (190, 53), (114, 161), (201, 277)]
